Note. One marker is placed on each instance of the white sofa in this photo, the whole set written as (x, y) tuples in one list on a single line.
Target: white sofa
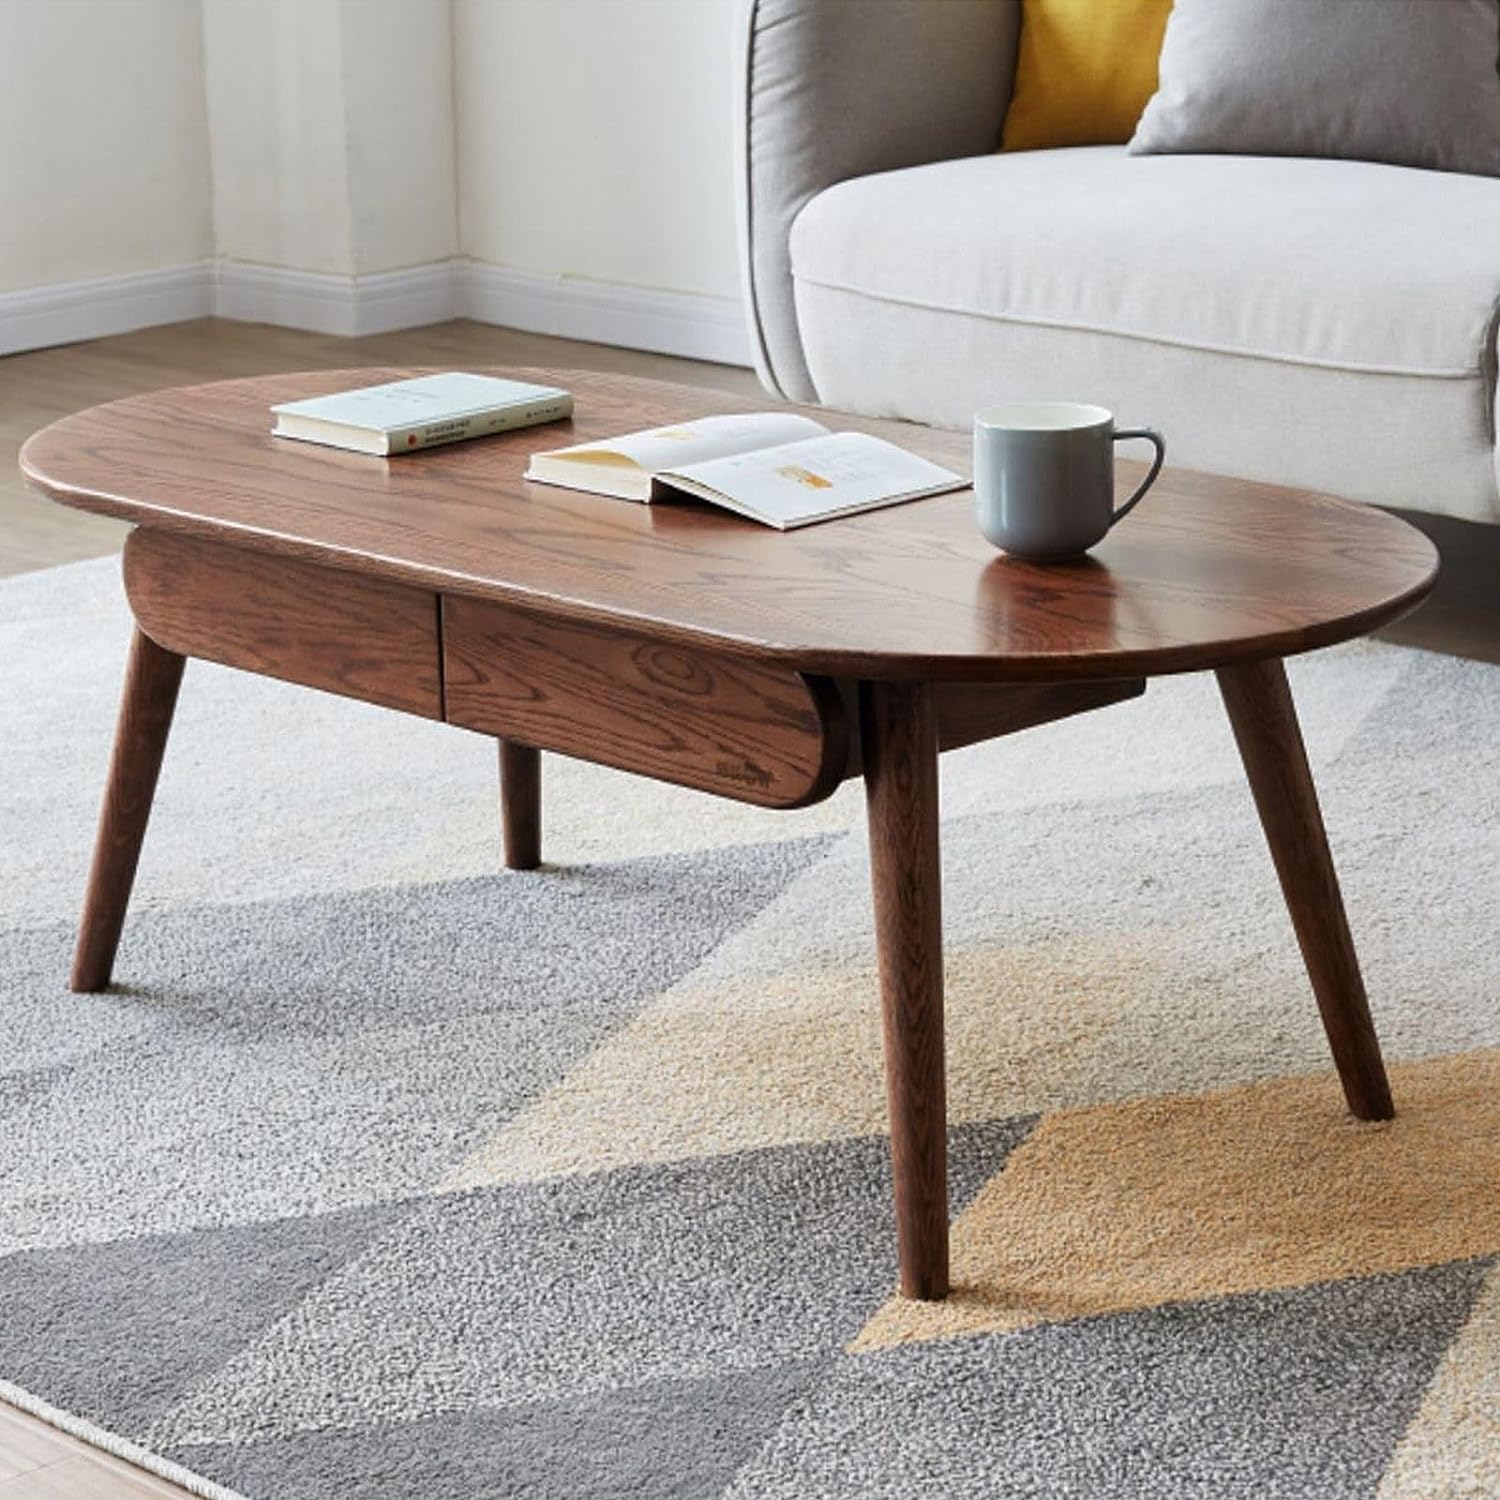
[(1326, 324)]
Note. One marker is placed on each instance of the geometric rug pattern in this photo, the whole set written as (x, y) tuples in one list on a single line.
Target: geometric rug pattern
[(385, 1172)]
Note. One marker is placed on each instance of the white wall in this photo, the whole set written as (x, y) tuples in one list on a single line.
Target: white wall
[(103, 151), (352, 165), (595, 139), (331, 126), (593, 136), (276, 132), (398, 81)]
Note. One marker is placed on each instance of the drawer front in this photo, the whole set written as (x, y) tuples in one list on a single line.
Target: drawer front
[(747, 730), (325, 628)]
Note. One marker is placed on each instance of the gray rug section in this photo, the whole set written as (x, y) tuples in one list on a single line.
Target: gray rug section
[(606, 936), (287, 1058), (669, 1440), (1296, 1395), (75, 1325), (567, 1289)]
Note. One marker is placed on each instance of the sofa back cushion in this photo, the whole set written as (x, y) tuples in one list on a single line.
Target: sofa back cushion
[(1415, 83), (1084, 72)]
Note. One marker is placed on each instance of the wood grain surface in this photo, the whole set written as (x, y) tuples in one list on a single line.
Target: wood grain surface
[(153, 676), (970, 712), (1259, 702), (520, 805), (751, 731), (343, 632), (899, 731), (1208, 570)]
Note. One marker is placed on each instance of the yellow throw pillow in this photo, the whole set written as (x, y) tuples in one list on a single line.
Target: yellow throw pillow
[(1084, 71)]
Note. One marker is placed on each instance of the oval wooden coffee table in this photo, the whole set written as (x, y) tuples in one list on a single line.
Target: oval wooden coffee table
[(686, 644)]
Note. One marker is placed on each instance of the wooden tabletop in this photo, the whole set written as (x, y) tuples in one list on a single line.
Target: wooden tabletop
[(1207, 571)]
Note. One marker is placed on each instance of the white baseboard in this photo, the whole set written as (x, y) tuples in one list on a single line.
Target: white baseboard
[(604, 312), (38, 317), (42, 316), (684, 323), (349, 305)]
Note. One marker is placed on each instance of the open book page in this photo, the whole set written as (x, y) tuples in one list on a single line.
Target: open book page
[(814, 480), (692, 442)]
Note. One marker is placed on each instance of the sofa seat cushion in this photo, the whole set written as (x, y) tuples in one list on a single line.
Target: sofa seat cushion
[(1087, 274), (1351, 264)]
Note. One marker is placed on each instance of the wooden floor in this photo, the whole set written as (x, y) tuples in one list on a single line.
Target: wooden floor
[(36, 1461)]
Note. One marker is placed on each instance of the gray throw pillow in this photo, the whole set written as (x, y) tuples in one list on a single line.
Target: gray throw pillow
[(1413, 82)]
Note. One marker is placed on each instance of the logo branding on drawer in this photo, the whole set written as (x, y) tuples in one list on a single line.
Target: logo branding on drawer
[(743, 771)]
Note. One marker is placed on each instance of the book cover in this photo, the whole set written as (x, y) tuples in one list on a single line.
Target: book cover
[(404, 415)]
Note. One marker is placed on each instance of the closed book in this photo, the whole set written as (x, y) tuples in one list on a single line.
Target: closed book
[(403, 416)]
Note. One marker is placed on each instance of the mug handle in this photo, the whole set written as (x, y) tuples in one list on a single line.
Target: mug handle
[(1155, 439)]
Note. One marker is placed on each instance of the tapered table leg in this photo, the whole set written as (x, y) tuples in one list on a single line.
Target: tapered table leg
[(899, 742), (152, 678), (521, 805), (1265, 725)]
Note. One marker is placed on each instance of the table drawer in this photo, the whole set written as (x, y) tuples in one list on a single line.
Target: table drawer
[(323, 627), (749, 730)]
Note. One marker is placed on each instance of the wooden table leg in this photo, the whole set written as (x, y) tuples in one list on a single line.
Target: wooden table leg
[(152, 678), (900, 749), (521, 805), (1265, 725)]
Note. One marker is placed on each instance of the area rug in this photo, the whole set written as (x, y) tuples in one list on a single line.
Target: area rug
[(386, 1173)]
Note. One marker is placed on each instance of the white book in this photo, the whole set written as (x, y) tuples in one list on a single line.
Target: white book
[(402, 416), (778, 468)]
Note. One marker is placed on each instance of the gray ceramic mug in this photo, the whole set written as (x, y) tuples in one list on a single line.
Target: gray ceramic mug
[(1044, 477)]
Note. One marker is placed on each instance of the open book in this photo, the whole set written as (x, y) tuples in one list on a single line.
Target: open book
[(775, 467)]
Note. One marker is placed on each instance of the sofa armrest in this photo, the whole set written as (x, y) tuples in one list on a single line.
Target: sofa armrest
[(832, 89)]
